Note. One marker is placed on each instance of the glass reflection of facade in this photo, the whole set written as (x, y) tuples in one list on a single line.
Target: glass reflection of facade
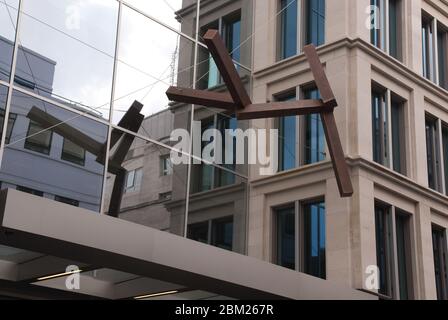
[(79, 87)]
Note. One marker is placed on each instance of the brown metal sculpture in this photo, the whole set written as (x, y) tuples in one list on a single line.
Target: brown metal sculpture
[(237, 101), (131, 121)]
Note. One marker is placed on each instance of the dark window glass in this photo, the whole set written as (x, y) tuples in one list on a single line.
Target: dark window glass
[(398, 140), (288, 28), (315, 27), (11, 121), (432, 153), (198, 232), (206, 173), (383, 245), (30, 191), (232, 31), (73, 153), (380, 128), (222, 233), (314, 133), (394, 28), (445, 154), (442, 39), (69, 201), (403, 256), (286, 244), (428, 48), (440, 262), (226, 178), (377, 31), (314, 239), (8, 22), (287, 139), (38, 138)]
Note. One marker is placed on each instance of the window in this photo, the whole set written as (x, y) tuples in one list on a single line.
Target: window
[(380, 128), (394, 263), (198, 232), (314, 144), (39, 139), (312, 136), (383, 243), (69, 201), (403, 253), (134, 180), (285, 234), (398, 136), (217, 232), (442, 53), (433, 153), (208, 176), (315, 22), (73, 153), (288, 28), (291, 28), (439, 247), (312, 238), (388, 133), (222, 233), (230, 29), (386, 30), (30, 191), (224, 177), (11, 121), (434, 50), (428, 53), (287, 138), (166, 167)]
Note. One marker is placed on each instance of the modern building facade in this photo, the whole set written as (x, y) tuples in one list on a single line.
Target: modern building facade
[(204, 230)]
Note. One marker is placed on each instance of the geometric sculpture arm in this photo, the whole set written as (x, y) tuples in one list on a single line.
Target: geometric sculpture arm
[(227, 69)]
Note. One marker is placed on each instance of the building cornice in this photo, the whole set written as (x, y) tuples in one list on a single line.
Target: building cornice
[(369, 49)]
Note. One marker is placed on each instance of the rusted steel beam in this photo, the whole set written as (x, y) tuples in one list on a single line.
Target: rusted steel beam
[(282, 109), (227, 69), (320, 77), (201, 97)]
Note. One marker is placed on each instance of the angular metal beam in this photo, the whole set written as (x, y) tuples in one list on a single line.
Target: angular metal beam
[(337, 154), (282, 109), (201, 97), (227, 69), (320, 77)]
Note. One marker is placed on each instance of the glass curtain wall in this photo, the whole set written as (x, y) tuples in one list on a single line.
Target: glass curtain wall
[(84, 116)]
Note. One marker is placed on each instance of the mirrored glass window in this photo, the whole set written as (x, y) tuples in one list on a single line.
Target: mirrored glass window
[(65, 53), (8, 22), (36, 159)]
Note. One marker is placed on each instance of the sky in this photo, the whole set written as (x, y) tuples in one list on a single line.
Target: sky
[(83, 71)]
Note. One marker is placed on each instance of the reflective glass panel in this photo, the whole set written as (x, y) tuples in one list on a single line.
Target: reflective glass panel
[(33, 161), (66, 53)]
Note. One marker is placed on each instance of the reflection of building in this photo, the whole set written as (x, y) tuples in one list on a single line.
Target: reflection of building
[(47, 164)]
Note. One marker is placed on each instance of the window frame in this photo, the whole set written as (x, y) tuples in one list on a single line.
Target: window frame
[(302, 28), (71, 158), (433, 62), (134, 187), (442, 292), (384, 33), (299, 253), (392, 264), (33, 146), (211, 227), (390, 101)]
